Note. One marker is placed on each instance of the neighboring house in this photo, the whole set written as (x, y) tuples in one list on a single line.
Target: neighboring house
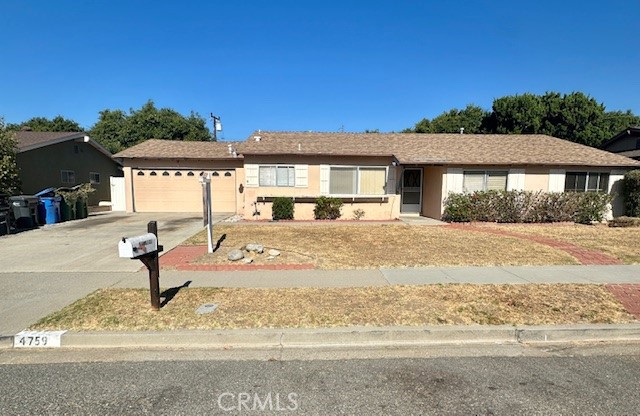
[(64, 159), (626, 143), (385, 175)]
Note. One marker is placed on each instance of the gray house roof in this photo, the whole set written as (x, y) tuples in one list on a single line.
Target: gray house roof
[(31, 140)]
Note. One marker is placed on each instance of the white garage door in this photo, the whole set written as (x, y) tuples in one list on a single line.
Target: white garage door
[(170, 190)]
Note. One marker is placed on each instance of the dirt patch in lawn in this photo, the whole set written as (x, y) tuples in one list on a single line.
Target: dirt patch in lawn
[(335, 246), (128, 309), (622, 243)]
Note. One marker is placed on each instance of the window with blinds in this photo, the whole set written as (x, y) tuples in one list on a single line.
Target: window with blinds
[(342, 181), (474, 181), (586, 182), (372, 181), (357, 180), (277, 176)]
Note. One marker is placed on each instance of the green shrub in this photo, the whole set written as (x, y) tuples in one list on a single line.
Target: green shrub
[(526, 206), (591, 207), (625, 222), (327, 208), (282, 208), (358, 214), (631, 193)]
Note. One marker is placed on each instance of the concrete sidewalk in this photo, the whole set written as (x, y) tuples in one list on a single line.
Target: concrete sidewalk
[(27, 297), (382, 277)]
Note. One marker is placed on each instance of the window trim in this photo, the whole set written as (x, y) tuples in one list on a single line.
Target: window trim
[(358, 167), (92, 181), (276, 166), (67, 172), (485, 179), (586, 180)]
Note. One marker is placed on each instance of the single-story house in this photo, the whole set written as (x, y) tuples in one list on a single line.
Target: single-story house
[(626, 143), (64, 159), (385, 175)]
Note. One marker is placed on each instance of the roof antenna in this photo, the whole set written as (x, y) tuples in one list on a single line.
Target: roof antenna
[(461, 130), (342, 128)]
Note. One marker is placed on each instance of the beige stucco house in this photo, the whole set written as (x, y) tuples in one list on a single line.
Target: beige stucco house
[(64, 159), (385, 175)]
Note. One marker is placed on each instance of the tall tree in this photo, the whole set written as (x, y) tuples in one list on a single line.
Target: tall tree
[(518, 114), (616, 121), (9, 174), (58, 123), (117, 130), (576, 117), (472, 119), (110, 130)]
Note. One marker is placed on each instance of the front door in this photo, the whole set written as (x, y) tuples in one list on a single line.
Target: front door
[(411, 190)]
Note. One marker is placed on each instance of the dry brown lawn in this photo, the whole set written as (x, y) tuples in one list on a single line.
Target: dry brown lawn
[(622, 243), (455, 304), (343, 246)]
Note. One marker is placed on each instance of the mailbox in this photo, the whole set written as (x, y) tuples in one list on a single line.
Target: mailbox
[(137, 246)]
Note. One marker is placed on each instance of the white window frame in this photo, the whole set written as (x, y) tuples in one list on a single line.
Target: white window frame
[(67, 175), (260, 184), (485, 179), (92, 181), (586, 180), (358, 167)]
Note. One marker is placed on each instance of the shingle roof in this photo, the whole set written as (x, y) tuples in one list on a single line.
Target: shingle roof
[(176, 149), (447, 149), (34, 139), (628, 132), (31, 140)]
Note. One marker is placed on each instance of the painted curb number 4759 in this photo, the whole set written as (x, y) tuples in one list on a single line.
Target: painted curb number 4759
[(37, 339)]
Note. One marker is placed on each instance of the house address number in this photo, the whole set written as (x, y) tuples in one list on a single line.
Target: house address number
[(38, 339)]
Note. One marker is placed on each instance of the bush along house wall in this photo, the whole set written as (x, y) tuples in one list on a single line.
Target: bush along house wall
[(526, 207)]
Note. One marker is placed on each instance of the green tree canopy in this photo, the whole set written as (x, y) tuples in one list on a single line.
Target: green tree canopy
[(472, 119), (58, 123), (9, 178), (576, 117), (117, 130)]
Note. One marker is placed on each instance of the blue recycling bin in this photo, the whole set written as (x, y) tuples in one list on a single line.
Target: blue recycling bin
[(49, 206)]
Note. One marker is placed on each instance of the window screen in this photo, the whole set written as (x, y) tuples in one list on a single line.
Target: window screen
[(372, 181), (342, 181)]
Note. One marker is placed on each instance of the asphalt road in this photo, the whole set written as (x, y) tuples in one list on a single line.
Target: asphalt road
[(570, 382)]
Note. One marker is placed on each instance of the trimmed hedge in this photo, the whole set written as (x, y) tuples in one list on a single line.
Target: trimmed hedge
[(631, 192), (327, 208), (526, 206), (282, 208), (625, 222)]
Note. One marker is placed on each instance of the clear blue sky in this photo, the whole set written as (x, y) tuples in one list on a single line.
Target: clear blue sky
[(310, 65)]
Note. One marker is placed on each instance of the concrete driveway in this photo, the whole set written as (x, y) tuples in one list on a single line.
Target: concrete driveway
[(91, 245)]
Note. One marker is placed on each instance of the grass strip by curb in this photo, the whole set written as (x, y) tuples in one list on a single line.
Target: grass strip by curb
[(452, 304)]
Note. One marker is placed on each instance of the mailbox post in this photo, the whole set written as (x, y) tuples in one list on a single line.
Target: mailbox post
[(146, 248)]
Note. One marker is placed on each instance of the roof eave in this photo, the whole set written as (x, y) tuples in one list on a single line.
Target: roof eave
[(52, 142)]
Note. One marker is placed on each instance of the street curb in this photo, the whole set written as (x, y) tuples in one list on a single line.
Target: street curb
[(346, 337)]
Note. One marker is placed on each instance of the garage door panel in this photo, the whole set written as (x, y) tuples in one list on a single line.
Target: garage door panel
[(182, 193)]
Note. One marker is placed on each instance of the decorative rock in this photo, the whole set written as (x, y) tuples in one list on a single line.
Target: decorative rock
[(235, 255), (270, 257), (258, 248), (206, 308), (273, 252), (247, 260)]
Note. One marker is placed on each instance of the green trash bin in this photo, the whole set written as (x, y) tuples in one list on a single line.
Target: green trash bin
[(66, 213), (82, 211)]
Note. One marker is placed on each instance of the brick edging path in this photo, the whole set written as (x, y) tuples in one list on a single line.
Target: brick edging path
[(629, 295), (582, 254)]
